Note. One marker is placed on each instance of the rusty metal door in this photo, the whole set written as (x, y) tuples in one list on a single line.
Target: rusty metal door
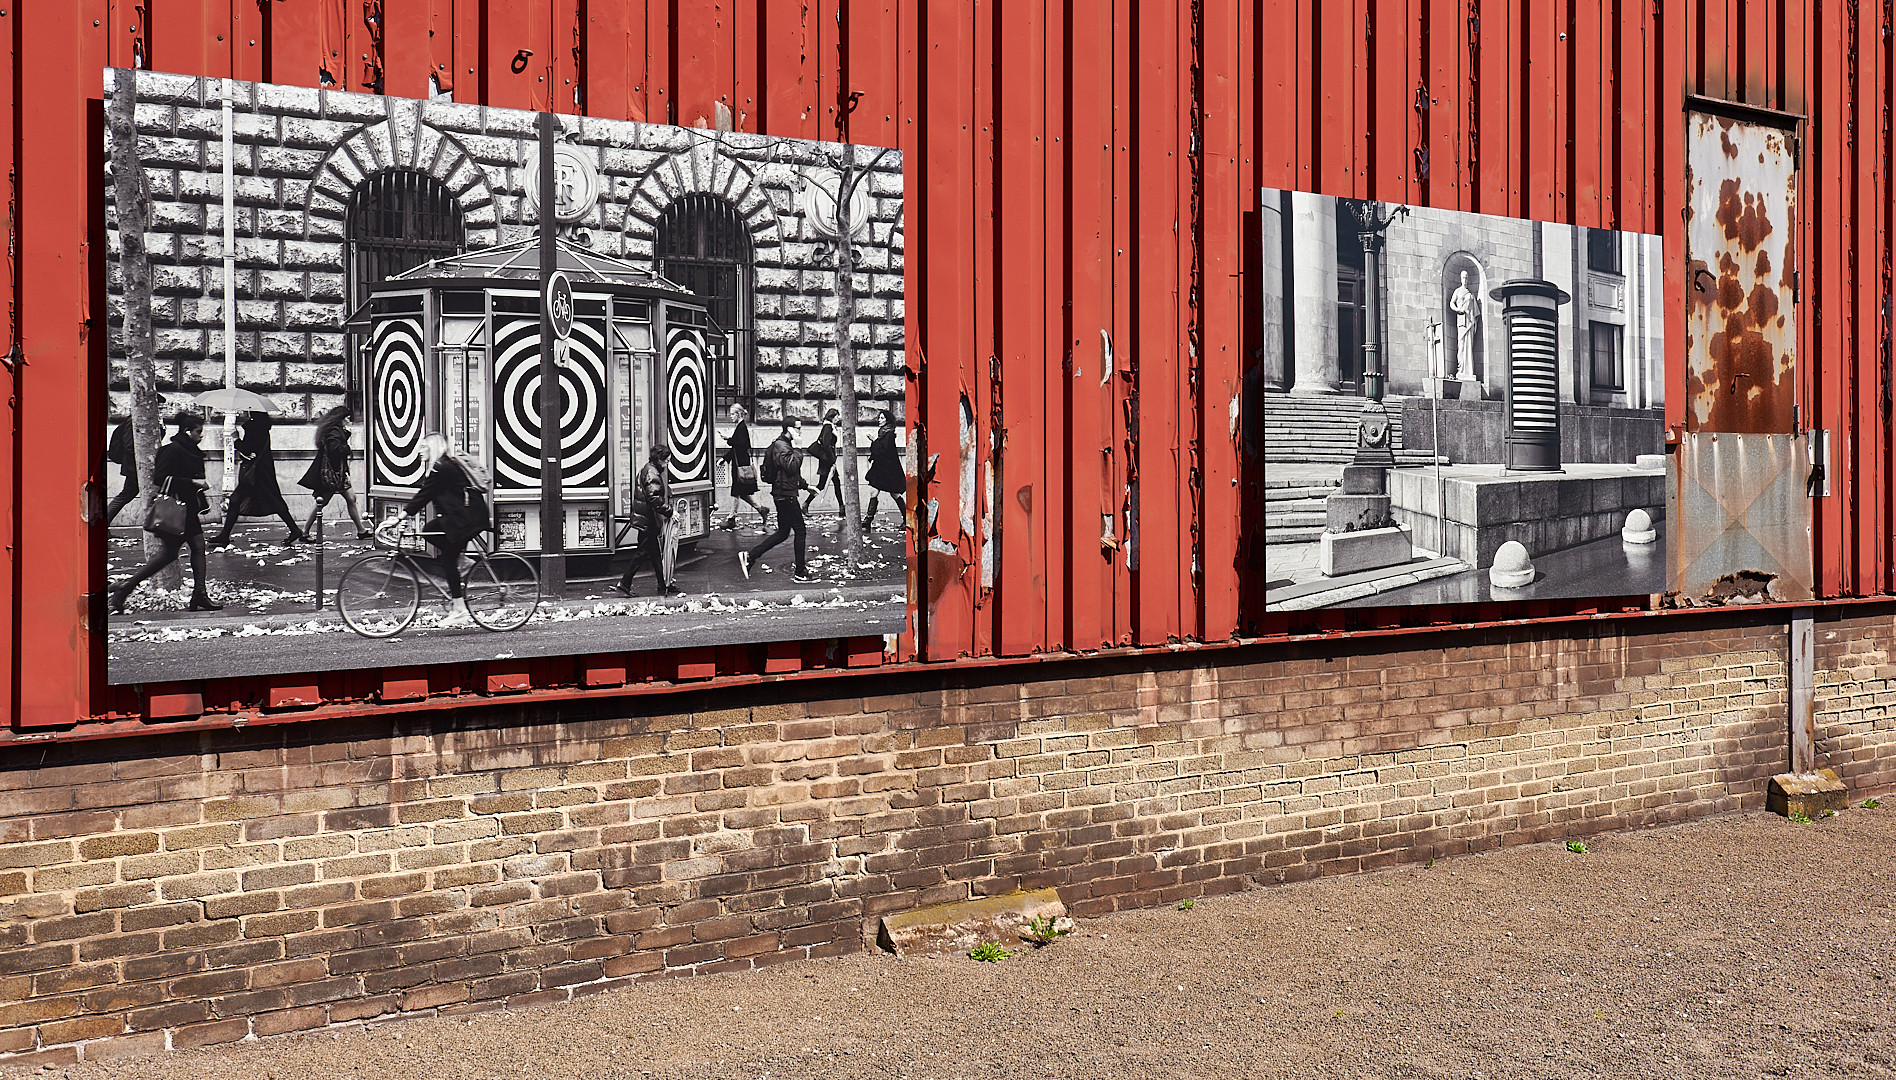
[(1741, 276), (1740, 507)]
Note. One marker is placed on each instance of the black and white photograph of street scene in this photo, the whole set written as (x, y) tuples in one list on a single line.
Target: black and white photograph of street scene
[(331, 317), (1458, 407)]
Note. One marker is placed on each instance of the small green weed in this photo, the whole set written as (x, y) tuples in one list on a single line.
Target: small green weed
[(1045, 929), (1430, 865), (1871, 804), (989, 952), (1798, 817), (1187, 905), (1830, 813), (1577, 847)]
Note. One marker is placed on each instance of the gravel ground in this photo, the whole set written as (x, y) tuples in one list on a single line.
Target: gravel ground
[(1738, 946)]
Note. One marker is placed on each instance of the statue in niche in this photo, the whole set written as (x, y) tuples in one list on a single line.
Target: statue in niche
[(1465, 307)]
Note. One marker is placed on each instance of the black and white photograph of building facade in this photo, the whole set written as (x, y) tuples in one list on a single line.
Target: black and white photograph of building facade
[(326, 311), (1458, 407)]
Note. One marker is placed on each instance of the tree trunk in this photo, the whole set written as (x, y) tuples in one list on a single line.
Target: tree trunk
[(846, 360), (132, 200)]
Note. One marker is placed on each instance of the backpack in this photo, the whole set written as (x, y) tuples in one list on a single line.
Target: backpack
[(476, 475)]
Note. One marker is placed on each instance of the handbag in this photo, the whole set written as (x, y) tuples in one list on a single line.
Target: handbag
[(167, 514), (747, 474)]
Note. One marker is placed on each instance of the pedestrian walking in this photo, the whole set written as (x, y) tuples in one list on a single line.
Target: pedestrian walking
[(743, 467), (178, 472), (886, 475), (652, 512), (823, 449), (461, 512), (783, 471), (328, 473), (119, 451), (256, 494)]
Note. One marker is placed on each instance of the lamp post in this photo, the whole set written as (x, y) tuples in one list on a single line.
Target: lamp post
[(1359, 529), (1372, 431)]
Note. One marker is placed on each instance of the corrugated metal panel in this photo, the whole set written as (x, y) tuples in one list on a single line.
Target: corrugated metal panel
[(1083, 191)]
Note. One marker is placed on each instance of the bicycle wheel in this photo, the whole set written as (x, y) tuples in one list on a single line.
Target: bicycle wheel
[(503, 592), (378, 596)]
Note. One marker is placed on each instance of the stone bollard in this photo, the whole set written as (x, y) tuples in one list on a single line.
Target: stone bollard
[(1639, 529), (1511, 568)]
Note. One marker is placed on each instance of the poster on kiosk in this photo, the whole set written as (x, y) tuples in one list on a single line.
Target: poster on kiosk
[(335, 318)]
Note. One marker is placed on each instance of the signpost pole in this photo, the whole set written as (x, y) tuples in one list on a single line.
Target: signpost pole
[(552, 495)]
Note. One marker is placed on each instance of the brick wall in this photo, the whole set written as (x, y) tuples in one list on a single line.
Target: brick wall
[(1855, 689), (201, 888)]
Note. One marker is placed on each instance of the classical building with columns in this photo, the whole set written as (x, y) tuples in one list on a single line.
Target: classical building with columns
[(1434, 262)]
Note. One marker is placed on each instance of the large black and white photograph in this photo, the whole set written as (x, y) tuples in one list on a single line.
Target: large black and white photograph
[(332, 317), (1458, 407)]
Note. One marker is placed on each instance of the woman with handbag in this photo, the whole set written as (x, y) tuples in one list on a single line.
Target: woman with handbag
[(177, 477), (328, 473), (256, 494), (743, 467)]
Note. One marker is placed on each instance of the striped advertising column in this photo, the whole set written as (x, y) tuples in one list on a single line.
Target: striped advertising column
[(1531, 310)]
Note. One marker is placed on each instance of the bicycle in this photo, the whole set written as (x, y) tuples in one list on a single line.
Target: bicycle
[(380, 595)]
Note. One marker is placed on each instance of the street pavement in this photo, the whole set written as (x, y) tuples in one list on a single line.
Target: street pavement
[(271, 623)]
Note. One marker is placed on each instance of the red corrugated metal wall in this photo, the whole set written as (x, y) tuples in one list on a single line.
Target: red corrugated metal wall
[(1082, 190)]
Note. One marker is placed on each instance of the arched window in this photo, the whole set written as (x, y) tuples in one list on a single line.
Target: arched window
[(398, 220), (704, 246)]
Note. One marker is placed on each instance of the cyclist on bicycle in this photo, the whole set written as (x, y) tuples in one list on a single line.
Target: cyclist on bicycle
[(461, 513)]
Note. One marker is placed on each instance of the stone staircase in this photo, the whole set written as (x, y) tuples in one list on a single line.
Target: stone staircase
[(1309, 440), (1322, 429), (1293, 509)]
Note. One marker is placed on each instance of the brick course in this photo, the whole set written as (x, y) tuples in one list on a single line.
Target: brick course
[(291, 877)]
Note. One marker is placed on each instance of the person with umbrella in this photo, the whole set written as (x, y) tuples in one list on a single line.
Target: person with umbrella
[(178, 471), (328, 473), (256, 494)]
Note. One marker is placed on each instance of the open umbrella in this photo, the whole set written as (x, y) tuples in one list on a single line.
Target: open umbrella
[(229, 400)]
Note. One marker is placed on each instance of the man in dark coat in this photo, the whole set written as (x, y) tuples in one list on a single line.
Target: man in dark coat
[(783, 471), (652, 514)]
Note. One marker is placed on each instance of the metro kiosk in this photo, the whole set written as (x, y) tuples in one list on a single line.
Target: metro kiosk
[(454, 347)]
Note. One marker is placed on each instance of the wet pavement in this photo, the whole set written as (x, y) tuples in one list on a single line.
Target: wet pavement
[(270, 622), (1609, 567)]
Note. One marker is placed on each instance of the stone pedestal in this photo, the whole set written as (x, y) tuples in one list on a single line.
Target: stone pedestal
[(1340, 553)]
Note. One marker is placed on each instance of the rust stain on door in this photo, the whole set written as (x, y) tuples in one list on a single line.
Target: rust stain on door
[(1741, 285)]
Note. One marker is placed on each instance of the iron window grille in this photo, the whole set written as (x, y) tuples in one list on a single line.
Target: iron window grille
[(705, 246)]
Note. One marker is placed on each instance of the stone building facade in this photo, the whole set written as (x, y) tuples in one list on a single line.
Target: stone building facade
[(1313, 277), (300, 156)]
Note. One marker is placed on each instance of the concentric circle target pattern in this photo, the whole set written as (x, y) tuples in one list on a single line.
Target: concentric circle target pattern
[(688, 404), (396, 382), (583, 406)]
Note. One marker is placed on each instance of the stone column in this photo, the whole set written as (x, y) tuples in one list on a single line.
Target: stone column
[(1312, 227)]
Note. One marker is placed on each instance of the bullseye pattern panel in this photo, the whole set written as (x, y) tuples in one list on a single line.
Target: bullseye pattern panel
[(399, 413), (583, 442), (688, 401)]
